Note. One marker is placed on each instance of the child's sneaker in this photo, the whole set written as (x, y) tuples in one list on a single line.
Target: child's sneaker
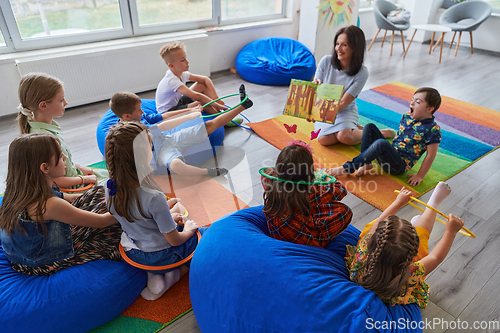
[(242, 92), (215, 172)]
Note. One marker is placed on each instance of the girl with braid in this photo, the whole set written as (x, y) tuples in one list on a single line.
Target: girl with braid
[(150, 233), (392, 258), (42, 229)]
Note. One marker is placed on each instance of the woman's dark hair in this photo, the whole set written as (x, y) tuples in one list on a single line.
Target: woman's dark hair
[(283, 199), (357, 42)]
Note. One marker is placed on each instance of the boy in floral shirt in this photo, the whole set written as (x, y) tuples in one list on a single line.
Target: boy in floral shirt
[(418, 133)]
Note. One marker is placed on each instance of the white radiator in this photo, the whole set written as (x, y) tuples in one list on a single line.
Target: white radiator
[(95, 75)]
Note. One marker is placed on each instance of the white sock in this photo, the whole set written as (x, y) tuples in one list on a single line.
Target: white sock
[(149, 295), (172, 277), (414, 219), (156, 283), (440, 193)]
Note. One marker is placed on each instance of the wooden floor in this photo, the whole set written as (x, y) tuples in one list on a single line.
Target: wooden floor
[(465, 286)]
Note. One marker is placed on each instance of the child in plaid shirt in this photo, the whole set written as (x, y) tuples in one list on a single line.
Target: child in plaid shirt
[(302, 213)]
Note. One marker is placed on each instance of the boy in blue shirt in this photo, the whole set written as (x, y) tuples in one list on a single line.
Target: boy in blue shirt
[(168, 147), (418, 133)]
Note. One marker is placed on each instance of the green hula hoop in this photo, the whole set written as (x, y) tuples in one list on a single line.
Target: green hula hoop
[(218, 99), (261, 171)]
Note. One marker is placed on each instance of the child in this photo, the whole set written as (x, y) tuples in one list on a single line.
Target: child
[(418, 133), (169, 147), (172, 92), (42, 99), (150, 236), (300, 213), (41, 231), (392, 258)]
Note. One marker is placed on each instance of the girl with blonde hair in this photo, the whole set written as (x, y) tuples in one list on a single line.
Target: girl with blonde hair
[(41, 231), (42, 99), (150, 235)]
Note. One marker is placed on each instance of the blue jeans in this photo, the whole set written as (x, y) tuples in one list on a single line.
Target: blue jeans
[(375, 146)]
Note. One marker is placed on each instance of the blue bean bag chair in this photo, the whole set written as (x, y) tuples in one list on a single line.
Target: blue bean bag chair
[(194, 155), (74, 300), (275, 61), (241, 280)]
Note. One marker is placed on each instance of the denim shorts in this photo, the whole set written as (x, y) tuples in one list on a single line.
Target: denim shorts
[(167, 256)]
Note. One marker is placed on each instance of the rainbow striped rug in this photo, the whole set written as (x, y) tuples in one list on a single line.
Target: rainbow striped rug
[(468, 133)]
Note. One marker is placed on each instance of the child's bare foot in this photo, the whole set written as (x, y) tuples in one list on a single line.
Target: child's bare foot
[(388, 133), (336, 172), (364, 169)]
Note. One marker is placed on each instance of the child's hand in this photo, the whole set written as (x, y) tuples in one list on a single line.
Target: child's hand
[(403, 196), (177, 217), (90, 179), (190, 225), (193, 114), (86, 171), (317, 81), (454, 223), (172, 201), (414, 180)]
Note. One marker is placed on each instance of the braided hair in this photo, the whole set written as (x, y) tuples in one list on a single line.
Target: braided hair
[(391, 251), (294, 163), (127, 157)]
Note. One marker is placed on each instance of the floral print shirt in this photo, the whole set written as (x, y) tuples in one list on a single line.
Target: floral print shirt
[(417, 290), (413, 137)]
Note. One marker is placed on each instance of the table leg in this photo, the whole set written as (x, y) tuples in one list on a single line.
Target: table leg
[(411, 40), (432, 41), (442, 42)]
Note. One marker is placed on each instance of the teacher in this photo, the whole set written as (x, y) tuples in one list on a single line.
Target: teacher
[(345, 67)]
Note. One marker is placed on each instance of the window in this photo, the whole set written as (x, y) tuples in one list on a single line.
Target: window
[(38, 19), (237, 9), (495, 4), (33, 24)]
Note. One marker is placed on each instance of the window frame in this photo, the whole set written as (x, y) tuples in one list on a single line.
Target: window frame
[(9, 46), (55, 41), (130, 22)]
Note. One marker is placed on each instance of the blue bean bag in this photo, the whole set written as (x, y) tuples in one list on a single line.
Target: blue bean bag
[(275, 61), (241, 280), (194, 155), (74, 300)]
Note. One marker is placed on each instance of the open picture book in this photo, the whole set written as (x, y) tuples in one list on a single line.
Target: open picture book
[(314, 102)]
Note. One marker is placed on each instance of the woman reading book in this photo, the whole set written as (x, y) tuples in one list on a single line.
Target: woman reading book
[(345, 67)]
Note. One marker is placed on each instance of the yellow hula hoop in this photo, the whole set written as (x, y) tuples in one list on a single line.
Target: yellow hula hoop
[(465, 231)]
